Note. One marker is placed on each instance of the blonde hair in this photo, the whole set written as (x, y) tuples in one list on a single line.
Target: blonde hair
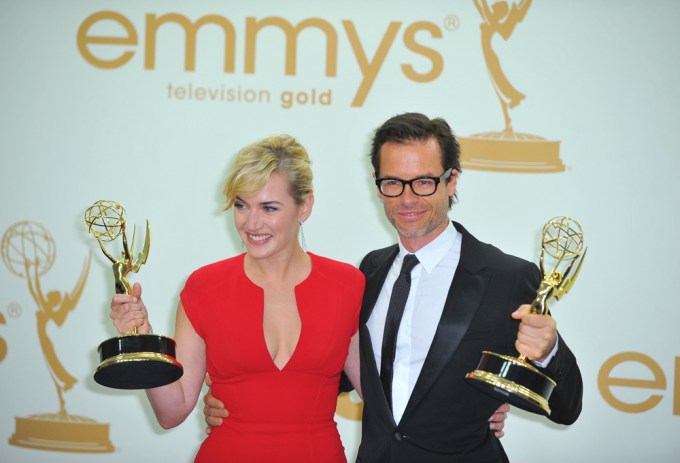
[(255, 163)]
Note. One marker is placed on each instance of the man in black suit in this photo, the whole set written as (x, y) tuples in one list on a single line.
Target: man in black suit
[(465, 296), (428, 412)]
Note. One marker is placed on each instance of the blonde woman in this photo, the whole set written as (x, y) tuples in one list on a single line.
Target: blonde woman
[(274, 327)]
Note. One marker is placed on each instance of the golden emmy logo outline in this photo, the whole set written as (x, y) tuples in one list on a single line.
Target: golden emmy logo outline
[(28, 251), (3, 343), (349, 406), (507, 150)]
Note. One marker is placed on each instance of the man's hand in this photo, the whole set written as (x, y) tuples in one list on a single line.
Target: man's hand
[(214, 409), (537, 334), (497, 420), (214, 413)]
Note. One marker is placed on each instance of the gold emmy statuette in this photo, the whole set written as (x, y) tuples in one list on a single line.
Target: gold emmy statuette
[(506, 151), (29, 251), (513, 379), (131, 361)]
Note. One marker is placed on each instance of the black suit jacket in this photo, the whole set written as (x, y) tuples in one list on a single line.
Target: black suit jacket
[(446, 419)]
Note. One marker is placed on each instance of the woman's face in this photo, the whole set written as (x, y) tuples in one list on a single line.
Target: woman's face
[(268, 222)]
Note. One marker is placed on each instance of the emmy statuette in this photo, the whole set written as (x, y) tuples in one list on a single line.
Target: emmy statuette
[(133, 360), (513, 379), (507, 150), (29, 252)]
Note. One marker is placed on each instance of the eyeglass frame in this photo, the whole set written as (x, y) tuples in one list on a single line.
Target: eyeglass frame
[(436, 180)]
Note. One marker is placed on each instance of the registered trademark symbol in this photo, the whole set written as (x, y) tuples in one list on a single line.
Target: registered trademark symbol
[(14, 310), (451, 22)]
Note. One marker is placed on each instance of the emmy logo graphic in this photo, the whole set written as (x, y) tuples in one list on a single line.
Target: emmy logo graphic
[(506, 151), (28, 251), (3, 344), (349, 406)]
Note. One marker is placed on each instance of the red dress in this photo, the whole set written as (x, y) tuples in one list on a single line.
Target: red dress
[(274, 415)]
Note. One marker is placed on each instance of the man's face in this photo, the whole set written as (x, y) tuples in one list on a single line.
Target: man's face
[(418, 219)]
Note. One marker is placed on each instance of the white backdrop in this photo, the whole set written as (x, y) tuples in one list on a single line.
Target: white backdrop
[(599, 77)]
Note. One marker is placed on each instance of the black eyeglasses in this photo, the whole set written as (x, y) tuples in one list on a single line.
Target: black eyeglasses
[(420, 186)]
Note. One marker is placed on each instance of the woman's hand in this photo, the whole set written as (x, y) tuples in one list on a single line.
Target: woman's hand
[(129, 312)]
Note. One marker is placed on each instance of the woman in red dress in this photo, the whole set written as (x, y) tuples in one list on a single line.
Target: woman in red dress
[(274, 327)]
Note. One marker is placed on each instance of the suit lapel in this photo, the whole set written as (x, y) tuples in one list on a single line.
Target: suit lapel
[(376, 273), (467, 289), (375, 277)]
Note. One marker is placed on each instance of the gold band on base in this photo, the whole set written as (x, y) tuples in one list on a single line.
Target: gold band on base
[(137, 361), (137, 357), (513, 380), (511, 387)]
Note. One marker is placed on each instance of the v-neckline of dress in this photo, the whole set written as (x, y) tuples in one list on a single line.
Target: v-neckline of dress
[(263, 338)]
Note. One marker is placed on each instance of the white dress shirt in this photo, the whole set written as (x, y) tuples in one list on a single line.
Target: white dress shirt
[(437, 264)]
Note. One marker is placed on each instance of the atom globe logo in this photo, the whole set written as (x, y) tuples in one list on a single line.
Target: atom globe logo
[(105, 220), (28, 242), (563, 238)]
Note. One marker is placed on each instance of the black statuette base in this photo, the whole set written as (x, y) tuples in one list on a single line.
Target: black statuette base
[(137, 361), (513, 381)]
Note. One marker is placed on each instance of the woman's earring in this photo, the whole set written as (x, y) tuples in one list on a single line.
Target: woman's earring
[(303, 243)]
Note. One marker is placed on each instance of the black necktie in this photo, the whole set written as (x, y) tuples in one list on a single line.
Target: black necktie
[(394, 313)]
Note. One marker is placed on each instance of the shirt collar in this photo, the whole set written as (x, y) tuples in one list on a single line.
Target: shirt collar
[(432, 253)]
